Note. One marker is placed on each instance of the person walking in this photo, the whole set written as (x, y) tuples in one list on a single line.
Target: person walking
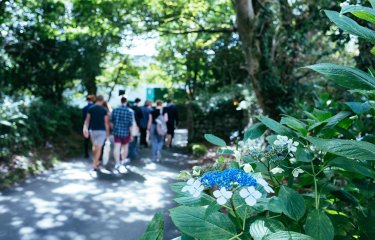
[(86, 140), (157, 117), (122, 123), (146, 109), (172, 122), (97, 127), (133, 146)]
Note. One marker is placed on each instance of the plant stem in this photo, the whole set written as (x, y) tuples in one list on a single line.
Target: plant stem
[(315, 187), (237, 236)]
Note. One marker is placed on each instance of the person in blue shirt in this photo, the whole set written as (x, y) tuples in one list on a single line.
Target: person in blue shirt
[(97, 127), (122, 123), (86, 141)]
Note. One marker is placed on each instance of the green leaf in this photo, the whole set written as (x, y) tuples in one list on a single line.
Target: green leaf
[(212, 208), (155, 229), (264, 226), (294, 124), (372, 51), (319, 226), (372, 2), (349, 25), (303, 155), (215, 140), (287, 235), (348, 77), (361, 12), (346, 148), (352, 165), (5, 123), (293, 203), (192, 222), (275, 126), (275, 205), (254, 131), (333, 121), (359, 107)]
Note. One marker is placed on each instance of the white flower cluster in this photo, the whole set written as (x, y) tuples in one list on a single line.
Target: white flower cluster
[(283, 141), (194, 187)]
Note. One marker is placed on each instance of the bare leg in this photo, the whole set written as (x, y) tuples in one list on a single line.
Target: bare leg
[(116, 152), (97, 150), (124, 152), (168, 140)]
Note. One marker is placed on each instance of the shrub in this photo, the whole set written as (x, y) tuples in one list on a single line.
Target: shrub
[(199, 150), (313, 179)]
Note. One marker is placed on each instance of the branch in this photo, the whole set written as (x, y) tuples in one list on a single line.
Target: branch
[(200, 30)]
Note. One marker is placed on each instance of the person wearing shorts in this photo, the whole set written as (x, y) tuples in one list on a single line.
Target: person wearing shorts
[(122, 122), (97, 127)]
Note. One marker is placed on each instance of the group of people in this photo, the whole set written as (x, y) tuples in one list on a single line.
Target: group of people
[(154, 125)]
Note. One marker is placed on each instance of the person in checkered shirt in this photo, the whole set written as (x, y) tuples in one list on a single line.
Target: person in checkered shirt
[(122, 123)]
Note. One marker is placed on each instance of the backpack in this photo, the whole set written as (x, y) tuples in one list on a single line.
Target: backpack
[(161, 126)]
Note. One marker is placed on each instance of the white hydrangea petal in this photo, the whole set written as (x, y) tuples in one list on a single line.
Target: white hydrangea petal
[(262, 182), (217, 193), (190, 182), (244, 193), (228, 194), (277, 143), (296, 144), (196, 194), (197, 183), (268, 189), (250, 201), (200, 188), (256, 194), (185, 189), (251, 189), (221, 200)]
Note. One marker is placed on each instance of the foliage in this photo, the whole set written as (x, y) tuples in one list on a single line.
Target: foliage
[(311, 180), (199, 150)]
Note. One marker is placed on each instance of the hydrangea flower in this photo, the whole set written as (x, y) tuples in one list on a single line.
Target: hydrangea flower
[(282, 141), (251, 195), (228, 178), (194, 187), (222, 195), (277, 170), (248, 168), (297, 171), (265, 185)]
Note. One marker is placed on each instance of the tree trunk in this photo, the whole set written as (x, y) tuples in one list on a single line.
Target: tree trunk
[(256, 34)]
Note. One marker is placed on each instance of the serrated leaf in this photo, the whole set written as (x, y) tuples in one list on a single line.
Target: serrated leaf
[(191, 221), (319, 226), (346, 148), (359, 107), (303, 155), (254, 131), (352, 165), (361, 12), (215, 140), (287, 235), (294, 124), (293, 203), (348, 77), (262, 227), (275, 126), (155, 229), (349, 25)]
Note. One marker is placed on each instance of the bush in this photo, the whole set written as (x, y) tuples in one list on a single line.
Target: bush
[(312, 179), (198, 150)]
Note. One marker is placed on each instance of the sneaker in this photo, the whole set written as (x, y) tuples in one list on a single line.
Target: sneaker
[(125, 161), (117, 166)]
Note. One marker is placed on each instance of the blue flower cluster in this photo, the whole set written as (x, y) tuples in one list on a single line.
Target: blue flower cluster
[(227, 178)]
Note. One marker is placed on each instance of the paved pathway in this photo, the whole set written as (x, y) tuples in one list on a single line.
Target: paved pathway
[(67, 203)]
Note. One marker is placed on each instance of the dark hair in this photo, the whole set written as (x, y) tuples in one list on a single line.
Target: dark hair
[(169, 101), (99, 98), (124, 100), (137, 100)]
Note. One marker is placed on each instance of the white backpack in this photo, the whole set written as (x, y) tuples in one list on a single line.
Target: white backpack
[(161, 125)]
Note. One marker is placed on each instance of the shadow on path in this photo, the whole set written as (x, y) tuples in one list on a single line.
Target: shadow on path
[(68, 203)]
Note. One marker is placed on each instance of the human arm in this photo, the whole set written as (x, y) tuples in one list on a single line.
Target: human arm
[(86, 126), (107, 127), (149, 121)]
